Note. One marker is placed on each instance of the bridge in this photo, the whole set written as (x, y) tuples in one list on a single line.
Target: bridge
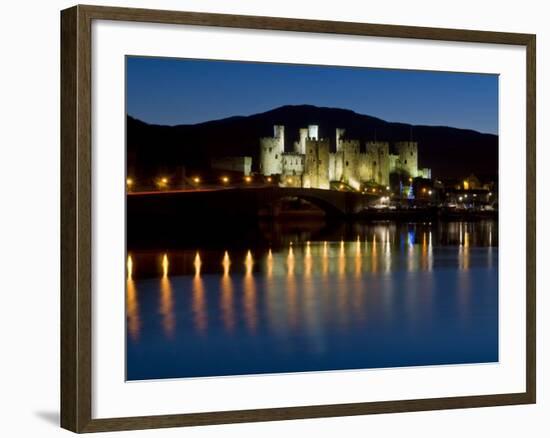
[(243, 201)]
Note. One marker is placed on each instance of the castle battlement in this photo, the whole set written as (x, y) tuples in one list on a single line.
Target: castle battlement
[(312, 165)]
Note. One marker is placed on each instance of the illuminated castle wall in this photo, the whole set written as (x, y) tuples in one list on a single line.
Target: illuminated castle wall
[(312, 165)]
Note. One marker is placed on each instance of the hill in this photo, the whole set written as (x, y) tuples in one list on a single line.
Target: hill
[(449, 152)]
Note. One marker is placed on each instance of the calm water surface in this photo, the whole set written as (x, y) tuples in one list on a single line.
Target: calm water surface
[(316, 298)]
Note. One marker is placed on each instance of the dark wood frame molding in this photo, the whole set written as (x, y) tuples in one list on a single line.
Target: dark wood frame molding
[(76, 172)]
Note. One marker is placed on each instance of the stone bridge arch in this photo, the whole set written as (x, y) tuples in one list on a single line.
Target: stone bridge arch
[(332, 202)]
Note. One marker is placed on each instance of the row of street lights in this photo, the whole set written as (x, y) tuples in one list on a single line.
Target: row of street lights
[(162, 182)]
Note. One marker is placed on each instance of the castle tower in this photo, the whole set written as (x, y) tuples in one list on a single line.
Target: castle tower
[(271, 152), (349, 149), (381, 162), (313, 132), (340, 132), (279, 133), (300, 146), (408, 157), (316, 165)]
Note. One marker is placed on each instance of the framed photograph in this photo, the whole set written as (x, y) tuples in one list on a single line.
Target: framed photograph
[(270, 218)]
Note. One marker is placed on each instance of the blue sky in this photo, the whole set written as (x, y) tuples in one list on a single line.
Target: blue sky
[(172, 91)]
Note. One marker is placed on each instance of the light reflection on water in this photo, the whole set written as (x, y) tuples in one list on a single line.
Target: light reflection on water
[(393, 296)]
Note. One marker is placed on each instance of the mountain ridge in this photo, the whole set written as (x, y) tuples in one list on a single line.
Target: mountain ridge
[(450, 152)]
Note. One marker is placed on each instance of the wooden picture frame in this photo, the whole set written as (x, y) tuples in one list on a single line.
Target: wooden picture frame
[(76, 217)]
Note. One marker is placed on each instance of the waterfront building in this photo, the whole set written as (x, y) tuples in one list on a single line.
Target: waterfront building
[(311, 164)]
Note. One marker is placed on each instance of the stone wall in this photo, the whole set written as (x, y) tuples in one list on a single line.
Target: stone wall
[(408, 157), (316, 165), (234, 164), (270, 156)]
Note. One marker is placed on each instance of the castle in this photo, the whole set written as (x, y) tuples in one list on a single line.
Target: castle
[(311, 164)]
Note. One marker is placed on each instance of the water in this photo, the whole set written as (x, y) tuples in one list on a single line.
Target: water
[(392, 295)]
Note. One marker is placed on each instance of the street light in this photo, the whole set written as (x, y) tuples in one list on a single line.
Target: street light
[(289, 180), (129, 182), (247, 179), (341, 186), (164, 180), (196, 180), (268, 179), (429, 192), (225, 179)]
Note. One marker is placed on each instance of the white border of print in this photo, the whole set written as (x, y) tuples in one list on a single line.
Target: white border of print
[(113, 397)]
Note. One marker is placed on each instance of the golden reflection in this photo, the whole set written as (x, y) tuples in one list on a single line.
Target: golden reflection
[(132, 307), (424, 251), (165, 265), (387, 252), (325, 258), (374, 261), (129, 266), (197, 264), (358, 259), (269, 264), (342, 260), (200, 315), (290, 261), (250, 310), (166, 305), (307, 260), (249, 263), (291, 288), (387, 261), (226, 301), (226, 263), (464, 252)]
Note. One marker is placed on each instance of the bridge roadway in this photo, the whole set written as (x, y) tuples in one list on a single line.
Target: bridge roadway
[(249, 201)]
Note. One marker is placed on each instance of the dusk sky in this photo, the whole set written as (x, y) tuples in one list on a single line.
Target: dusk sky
[(170, 91)]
